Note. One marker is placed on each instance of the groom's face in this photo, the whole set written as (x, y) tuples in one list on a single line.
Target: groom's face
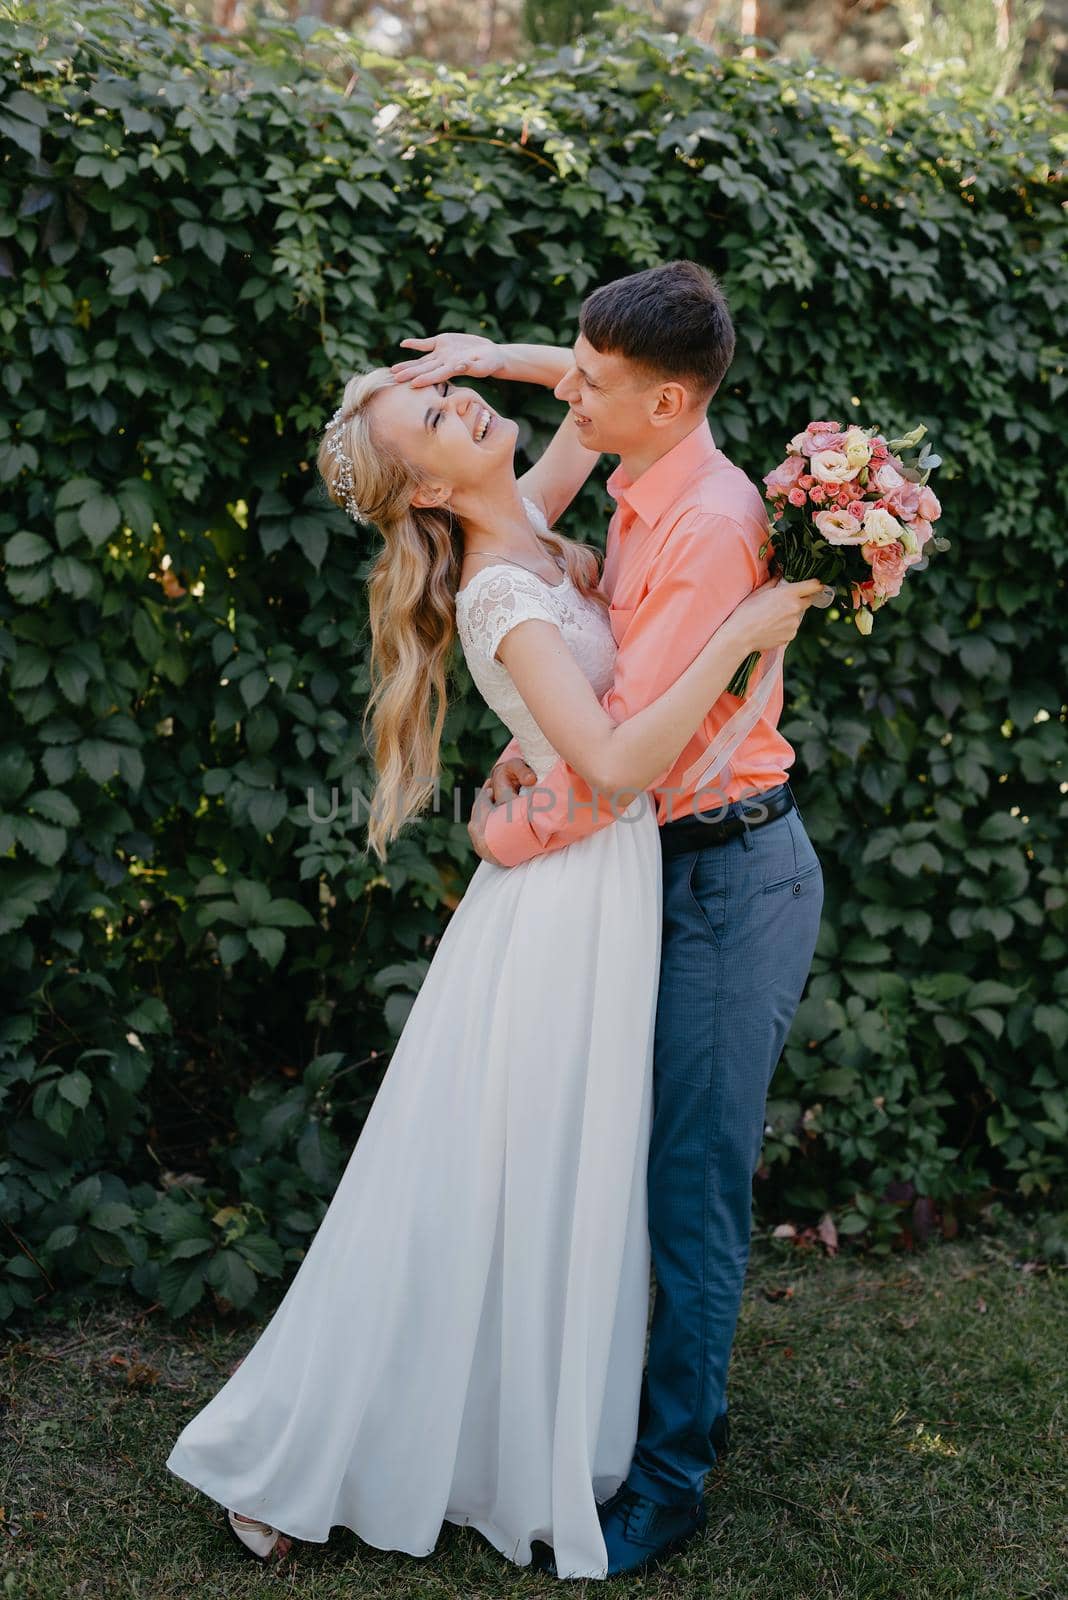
[(614, 402)]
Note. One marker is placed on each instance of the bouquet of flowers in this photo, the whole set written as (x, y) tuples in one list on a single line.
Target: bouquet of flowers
[(853, 509)]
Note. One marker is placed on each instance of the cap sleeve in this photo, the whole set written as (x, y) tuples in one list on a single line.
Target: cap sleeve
[(498, 600)]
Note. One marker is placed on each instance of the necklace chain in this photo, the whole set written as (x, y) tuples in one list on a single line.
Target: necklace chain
[(508, 560)]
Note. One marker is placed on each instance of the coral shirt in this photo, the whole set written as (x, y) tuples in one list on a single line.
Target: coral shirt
[(682, 553)]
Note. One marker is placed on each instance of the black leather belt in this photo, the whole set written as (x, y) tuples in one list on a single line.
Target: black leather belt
[(690, 833)]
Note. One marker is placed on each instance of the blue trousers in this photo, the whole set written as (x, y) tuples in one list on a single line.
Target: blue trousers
[(739, 932)]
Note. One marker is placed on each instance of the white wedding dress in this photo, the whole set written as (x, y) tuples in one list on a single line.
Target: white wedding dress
[(463, 1340)]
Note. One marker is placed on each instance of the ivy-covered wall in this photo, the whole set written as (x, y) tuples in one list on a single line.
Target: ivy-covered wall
[(198, 242)]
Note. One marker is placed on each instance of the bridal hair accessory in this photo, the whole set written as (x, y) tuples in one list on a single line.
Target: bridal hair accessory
[(334, 443)]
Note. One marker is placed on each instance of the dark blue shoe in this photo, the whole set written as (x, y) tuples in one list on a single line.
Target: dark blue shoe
[(640, 1533)]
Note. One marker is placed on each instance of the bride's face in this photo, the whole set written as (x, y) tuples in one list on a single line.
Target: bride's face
[(448, 432)]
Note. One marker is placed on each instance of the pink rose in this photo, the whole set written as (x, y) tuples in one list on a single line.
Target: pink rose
[(807, 443), (824, 427), (782, 480), (929, 507), (818, 494), (796, 497), (888, 478), (838, 527), (805, 481), (857, 508), (905, 502), (921, 529), (887, 567)]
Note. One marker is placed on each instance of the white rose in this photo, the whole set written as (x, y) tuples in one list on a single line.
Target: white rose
[(832, 466), (838, 527), (880, 527), (857, 448)]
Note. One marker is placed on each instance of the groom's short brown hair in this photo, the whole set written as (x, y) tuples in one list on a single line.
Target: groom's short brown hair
[(672, 320)]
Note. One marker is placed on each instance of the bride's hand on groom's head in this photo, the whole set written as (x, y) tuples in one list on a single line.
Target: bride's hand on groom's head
[(447, 355)]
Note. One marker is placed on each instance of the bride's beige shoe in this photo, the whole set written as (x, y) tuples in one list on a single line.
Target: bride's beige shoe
[(259, 1538)]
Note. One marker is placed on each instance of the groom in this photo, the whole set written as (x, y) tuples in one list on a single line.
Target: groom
[(742, 885)]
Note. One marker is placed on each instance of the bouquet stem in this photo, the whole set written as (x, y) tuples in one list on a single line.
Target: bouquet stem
[(740, 682)]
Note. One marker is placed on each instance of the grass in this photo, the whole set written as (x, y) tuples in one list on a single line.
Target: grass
[(898, 1434)]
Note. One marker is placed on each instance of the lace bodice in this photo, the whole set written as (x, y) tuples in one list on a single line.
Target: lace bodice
[(497, 598)]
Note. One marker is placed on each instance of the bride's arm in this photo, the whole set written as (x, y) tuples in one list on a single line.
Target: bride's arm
[(629, 756), (559, 472), (449, 355)]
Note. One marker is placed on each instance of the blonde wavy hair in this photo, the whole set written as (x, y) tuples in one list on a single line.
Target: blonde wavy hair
[(412, 603)]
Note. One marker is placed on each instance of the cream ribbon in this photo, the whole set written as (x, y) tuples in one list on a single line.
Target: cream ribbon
[(737, 727)]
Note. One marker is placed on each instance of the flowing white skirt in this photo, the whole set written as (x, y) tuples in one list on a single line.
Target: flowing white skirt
[(463, 1340)]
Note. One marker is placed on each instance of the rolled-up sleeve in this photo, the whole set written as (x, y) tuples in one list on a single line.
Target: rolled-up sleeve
[(708, 565)]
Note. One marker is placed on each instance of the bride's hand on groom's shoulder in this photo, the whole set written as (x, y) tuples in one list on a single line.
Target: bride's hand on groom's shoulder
[(448, 355)]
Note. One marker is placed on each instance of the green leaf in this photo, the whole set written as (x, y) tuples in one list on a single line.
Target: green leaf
[(74, 491), (55, 806), (30, 668), (28, 586), (230, 1274), (252, 898), (232, 946), (112, 1215), (25, 549), (262, 1254), (72, 577), (181, 1286), (76, 1088), (61, 1238), (73, 679), (1053, 1022), (285, 914), (269, 942), (838, 1081), (254, 685), (311, 1155), (149, 1015), (266, 809), (912, 859), (312, 535), (99, 759), (99, 517), (16, 773)]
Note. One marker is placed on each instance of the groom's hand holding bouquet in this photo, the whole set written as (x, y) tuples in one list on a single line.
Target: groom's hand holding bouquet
[(853, 509)]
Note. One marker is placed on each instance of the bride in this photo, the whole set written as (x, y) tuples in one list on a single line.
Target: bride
[(464, 1337)]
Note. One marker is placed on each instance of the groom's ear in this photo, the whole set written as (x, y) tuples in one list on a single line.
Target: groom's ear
[(671, 401)]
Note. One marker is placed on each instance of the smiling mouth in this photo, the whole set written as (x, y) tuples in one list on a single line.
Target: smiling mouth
[(485, 422), (580, 420)]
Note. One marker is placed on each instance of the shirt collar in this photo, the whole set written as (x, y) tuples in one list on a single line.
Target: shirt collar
[(651, 493)]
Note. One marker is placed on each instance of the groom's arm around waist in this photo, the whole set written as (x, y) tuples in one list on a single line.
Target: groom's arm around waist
[(707, 566)]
